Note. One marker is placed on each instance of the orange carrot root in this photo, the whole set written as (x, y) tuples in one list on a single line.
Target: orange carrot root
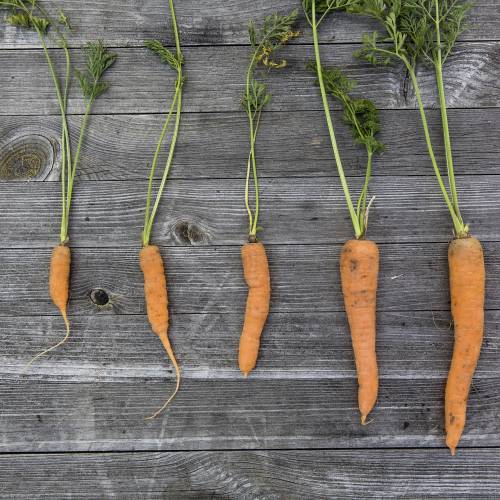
[(60, 268), (359, 265), (467, 282), (256, 272), (155, 292)]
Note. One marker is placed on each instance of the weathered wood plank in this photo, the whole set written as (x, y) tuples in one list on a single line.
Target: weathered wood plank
[(212, 212), (204, 22), (247, 475), (216, 81), (209, 279), (235, 414), (106, 348), (214, 145)]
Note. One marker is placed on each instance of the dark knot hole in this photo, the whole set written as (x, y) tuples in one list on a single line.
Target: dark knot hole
[(99, 297)]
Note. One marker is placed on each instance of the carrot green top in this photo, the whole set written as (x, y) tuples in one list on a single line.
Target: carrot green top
[(361, 115), (29, 14), (176, 62), (418, 31), (276, 31)]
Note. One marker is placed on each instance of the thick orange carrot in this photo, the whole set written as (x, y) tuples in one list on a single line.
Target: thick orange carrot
[(359, 265), (467, 281), (60, 268), (155, 292), (256, 272)]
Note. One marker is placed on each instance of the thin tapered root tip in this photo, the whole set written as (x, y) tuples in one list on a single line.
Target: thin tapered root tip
[(43, 353), (156, 413), (245, 374), (453, 450), (363, 419), (170, 352)]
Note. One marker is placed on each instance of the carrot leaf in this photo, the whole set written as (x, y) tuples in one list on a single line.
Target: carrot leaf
[(164, 54), (97, 61)]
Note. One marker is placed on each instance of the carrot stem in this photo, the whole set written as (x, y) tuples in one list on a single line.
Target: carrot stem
[(438, 64), (355, 222), (156, 156), (150, 214)]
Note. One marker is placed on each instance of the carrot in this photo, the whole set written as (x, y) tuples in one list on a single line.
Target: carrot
[(33, 16), (467, 281), (60, 268), (275, 32), (155, 283), (359, 259), (440, 23), (359, 265), (256, 272), (155, 293)]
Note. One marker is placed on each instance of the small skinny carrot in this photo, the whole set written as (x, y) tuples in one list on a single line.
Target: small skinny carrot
[(359, 265), (467, 282), (256, 272), (276, 31), (155, 293), (60, 268)]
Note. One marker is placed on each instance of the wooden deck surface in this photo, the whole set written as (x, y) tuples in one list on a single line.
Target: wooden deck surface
[(73, 426)]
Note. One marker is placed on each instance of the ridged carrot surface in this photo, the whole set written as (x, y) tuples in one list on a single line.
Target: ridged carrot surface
[(359, 266), (467, 282)]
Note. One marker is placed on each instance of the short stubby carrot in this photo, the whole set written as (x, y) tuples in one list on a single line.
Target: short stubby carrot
[(256, 272), (156, 296), (467, 283), (359, 266)]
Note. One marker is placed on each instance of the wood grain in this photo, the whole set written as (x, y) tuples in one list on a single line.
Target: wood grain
[(234, 414), (294, 211), (247, 475), (204, 22), (310, 345), (87, 400), (139, 84), (214, 145), (209, 279)]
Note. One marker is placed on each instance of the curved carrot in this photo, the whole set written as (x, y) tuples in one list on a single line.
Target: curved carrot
[(359, 265), (60, 268), (256, 272), (155, 292), (467, 281)]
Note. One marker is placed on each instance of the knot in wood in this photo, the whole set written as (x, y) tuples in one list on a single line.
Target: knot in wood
[(99, 297), (27, 157), (187, 232)]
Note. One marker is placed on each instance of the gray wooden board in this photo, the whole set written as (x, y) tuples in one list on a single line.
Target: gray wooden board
[(44, 415), (140, 84), (293, 211), (214, 145), (205, 22), (304, 278), (247, 475), (91, 395), (309, 345)]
